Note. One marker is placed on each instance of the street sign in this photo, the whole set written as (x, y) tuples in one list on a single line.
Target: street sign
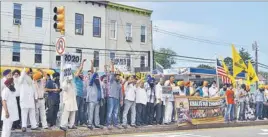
[(67, 72), (72, 58), (60, 46)]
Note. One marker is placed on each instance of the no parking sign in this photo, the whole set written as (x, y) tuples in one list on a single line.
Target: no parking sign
[(60, 46)]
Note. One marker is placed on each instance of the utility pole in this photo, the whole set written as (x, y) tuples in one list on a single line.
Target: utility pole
[(256, 49)]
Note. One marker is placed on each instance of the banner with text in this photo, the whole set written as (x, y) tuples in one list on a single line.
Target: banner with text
[(198, 110)]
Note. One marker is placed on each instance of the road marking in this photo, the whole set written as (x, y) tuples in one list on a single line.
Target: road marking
[(179, 134), (264, 130)]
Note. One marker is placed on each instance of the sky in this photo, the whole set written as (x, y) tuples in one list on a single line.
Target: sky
[(240, 23)]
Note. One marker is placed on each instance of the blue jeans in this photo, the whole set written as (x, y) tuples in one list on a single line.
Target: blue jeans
[(259, 108), (112, 111), (79, 117), (229, 114)]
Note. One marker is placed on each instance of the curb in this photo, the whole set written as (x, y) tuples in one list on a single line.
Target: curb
[(85, 132)]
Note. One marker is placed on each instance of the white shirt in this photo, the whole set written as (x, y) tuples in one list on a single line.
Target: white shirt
[(205, 91), (27, 91), (17, 86), (69, 96), (12, 107), (40, 88), (141, 96), (170, 97), (213, 91), (159, 92), (130, 93)]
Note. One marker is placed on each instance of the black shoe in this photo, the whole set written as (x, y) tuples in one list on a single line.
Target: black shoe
[(29, 126), (90, 127), (124, 126), (63, 128), (13, 128), (101, 127), (23, 129)]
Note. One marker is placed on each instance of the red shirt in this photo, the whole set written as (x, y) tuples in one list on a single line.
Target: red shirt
[(230, 96)]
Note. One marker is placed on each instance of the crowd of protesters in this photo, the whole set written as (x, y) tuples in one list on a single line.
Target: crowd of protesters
[(35, 99)]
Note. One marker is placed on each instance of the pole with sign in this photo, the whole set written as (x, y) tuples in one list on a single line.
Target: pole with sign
[(60, 50)]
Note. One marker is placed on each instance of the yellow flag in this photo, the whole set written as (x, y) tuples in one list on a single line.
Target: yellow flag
[(238, 63), (227, 71), (251, 76)]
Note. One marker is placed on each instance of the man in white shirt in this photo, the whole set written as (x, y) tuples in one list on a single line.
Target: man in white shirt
[(6, 75), (141, 100), (39, 84), (159, 100), (205, 89), (129, 103), (213, 90), (171, 83), (16, 76)]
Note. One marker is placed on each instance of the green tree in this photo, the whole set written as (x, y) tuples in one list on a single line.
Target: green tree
[(165, 57), (205, 66)]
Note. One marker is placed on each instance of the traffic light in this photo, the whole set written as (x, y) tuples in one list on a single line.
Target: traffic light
[(59, 19)]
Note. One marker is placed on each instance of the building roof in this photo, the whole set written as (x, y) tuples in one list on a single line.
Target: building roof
[(129, 8)]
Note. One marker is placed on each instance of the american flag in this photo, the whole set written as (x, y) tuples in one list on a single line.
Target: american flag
[(221, 72)]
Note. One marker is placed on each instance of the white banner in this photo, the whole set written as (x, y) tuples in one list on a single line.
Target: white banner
[(72, 58), (67, 71)]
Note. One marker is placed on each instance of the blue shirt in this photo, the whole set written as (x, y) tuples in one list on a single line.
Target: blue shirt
[(50, 84), (79, 86)]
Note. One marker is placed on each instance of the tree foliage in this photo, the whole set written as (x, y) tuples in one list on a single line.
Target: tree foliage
[(165, 57), (204, 66)]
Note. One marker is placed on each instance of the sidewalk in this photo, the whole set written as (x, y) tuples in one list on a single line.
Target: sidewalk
[(85, 132)]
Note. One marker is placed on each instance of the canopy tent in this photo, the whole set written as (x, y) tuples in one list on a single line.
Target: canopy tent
[(48, 71)]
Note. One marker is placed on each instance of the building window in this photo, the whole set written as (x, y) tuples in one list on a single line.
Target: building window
[(112, 55), (142, 63), (128, 62), (129, 30), (16, 52), (143, 34), (79, 24), (113, 29), (96, 59), (38, 53), (17, 14), (96, 26), (38, 17)]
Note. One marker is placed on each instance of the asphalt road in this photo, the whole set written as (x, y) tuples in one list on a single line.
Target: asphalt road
[(254, 131)]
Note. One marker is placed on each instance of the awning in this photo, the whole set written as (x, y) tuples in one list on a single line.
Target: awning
[(48, 71)]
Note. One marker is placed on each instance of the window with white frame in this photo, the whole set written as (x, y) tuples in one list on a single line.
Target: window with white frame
[(113, 27), (96, 26), (38, 53), (143, 34), (112, 55), (96, 59), (16, 52), (16, 14), (128, 30), (142, 62), (38, 17), (79, 24)]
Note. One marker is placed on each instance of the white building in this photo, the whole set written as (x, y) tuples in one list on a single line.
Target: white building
[(28, 37)]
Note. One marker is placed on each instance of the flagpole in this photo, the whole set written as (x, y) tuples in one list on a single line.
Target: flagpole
[(216, 66)]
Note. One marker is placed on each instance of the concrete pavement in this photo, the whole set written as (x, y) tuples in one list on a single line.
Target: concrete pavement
[(254, 131)]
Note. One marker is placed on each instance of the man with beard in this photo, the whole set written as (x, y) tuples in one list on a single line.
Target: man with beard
[(129, 103), (213, 90), (53, 100), (78, 80), (69, 105), (159, 101), (39, 83), (16, 75), (27, 99), (10, 108), (150, 90), (171, 83), (115, 97), (205, 89), (182, 91), (6, 75), (259, 98)]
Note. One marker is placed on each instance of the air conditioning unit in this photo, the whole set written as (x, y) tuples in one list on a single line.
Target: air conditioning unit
[(58, 63), (79, 31), (16, 21), (129, 39)]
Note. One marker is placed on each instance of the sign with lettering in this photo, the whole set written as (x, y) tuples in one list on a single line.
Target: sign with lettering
[(72, 58), (67, 71)]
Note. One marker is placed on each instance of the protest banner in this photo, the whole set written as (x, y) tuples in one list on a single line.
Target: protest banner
[(198, 110)]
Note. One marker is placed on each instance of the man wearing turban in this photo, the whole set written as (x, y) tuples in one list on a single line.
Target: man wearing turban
[(205, 89), (10, 108)]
